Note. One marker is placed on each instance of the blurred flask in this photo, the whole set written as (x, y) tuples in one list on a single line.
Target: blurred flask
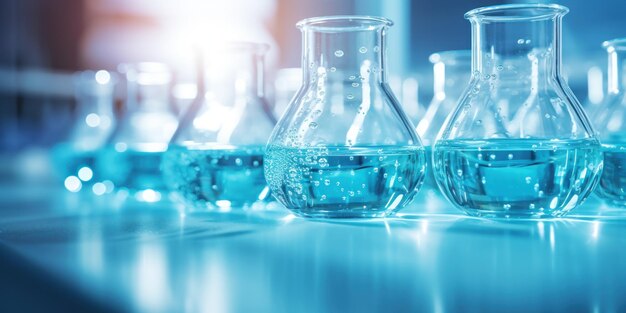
[(610, 119), (133, 154), (451, 74), (75, 158), (215, 159)]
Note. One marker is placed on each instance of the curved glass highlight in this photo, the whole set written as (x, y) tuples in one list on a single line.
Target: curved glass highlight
[(518, 143), (344, 148)]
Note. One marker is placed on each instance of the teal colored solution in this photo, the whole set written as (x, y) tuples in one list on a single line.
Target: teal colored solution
[(517, 178), (345, 182), (613, 182), (216, 178), (134, 170), (75, 164), (429, 180)]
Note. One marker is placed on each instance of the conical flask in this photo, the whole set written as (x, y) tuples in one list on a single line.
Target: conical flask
[(611, 116), (344, 147), (75, 158), (133, 156), (215, 159), (518, 144)]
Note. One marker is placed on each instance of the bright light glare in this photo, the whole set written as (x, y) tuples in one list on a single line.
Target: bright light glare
[(85, 174), (103, 77), (99, 189), (73, 184), (92, 120)]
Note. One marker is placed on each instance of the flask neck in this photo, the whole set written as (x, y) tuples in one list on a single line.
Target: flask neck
[(148, 87), (354, 53), (616, 72), (517, 48)]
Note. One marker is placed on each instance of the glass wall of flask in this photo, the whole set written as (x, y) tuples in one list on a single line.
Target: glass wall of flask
[(612, 125), (344, 147), (518, 144), (75, 158), (451, 74), (215, 159), (133, 154)]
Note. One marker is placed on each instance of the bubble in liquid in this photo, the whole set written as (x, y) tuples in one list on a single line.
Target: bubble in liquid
[(459, 172), (355, 85), (492, 156), (376, 170), (352, 77), (362, 49), (327, 182), (500, 67), (506, 206), (510, 156), (520, 41), (339, 53), (531, 206), (479, 122), (528, 179), (312, 125), (483, 180), (350, 96), (333, 69), (376, 48)]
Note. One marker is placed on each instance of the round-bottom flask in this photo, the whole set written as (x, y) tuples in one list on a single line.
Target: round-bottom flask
[(344, 148), (518, 144)]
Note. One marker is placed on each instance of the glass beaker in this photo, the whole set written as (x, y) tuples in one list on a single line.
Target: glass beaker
[(75, 158), (518, 143), (215, 159), (344, 148), (133, 155), (611, 115)]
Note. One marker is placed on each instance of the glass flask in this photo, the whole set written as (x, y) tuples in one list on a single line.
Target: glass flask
[(611, 116), (133, 155), (518, 143), (215, 159), (344, 147), (75, 158)]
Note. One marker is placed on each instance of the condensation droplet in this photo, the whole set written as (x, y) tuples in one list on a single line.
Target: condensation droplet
[(350, 96), (339, 53), (313, 125), (362, 49)]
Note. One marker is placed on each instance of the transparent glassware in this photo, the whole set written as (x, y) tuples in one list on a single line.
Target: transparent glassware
[(133, 155), (344, 148), (75, 157), (518, 143), (215, 159), (611, 116)]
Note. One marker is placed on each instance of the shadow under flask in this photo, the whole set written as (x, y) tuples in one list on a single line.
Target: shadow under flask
[(75, 158), (518, 143), (611, 116), (215, 159), (133, 156), (344, 147)]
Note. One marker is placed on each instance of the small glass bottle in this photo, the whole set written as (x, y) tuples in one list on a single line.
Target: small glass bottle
[(518, 143), (344, 148), (611, 116), (133, 156), (75, 158), (215, 159)]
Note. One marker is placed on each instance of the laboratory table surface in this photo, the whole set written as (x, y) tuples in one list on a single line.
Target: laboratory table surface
[(64, 252)]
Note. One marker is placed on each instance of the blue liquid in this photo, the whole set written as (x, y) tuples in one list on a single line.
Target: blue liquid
[(206, 179), (133, 170), (517, 178), (343, 182), (613, 182)]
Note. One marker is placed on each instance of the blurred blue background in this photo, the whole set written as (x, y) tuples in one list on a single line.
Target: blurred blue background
[(44, 42)]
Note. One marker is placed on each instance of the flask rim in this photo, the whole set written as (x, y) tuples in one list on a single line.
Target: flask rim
[(617, 44), (451, 56), (342, 23), (517, 12)]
